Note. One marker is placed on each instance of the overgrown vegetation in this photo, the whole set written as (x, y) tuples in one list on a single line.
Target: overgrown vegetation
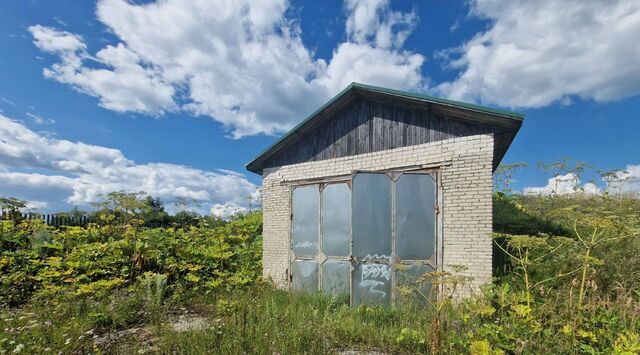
[(568, 281), (44, 264)]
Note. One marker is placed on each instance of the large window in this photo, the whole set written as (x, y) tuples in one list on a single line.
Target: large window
[(365, 238)]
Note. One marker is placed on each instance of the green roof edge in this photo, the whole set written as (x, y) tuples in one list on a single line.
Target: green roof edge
[(504, 113)]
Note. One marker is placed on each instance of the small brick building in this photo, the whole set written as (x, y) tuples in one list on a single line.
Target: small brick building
[(378, 187)]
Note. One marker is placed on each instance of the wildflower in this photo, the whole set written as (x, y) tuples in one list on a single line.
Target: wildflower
[(48, 323), (68, 341), (81, 337), (47, 349), (18, 348)]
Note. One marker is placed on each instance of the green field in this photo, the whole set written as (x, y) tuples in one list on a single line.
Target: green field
[(567, 281)]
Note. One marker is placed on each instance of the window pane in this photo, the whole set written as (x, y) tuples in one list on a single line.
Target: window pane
[(306, 220), (371, 216), (412, 283), (335, 277), (336, 220), (305, 275), (372, 284), (415, 216)]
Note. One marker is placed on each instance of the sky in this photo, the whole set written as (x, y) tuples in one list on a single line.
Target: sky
[(174, 97)]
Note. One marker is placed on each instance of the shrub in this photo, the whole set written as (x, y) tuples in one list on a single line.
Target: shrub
[(84, 260)]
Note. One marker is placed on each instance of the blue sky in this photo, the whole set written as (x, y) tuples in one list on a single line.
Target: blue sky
[(175, 97)]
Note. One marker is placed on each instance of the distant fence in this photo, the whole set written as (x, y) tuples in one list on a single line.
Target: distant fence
[(49, 219), (57, 220)]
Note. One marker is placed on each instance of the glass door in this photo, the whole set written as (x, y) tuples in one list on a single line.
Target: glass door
[(372, 239), (305, 233), (415, 235), (321, 238), (372, 245), (394, 237)]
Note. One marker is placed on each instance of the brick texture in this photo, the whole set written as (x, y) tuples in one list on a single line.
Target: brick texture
[(466, 184)]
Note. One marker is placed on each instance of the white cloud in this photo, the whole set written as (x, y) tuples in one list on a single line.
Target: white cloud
[(374, 21), (57, 42), (32, 164), (21, 147), (535, 53), (243, 63), (563, 185), (36, 205), (590, 188), (7, 101), (370, 64), (621, 181), (31, 180), (39, 119), (125, 84), (628, 180), (226, 211)]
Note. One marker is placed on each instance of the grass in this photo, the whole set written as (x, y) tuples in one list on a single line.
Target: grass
[(256, 320), (262, 320)]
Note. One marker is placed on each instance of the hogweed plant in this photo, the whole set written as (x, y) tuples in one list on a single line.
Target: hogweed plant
[(441, 292), (594, 226), (526, 252), (564, 171), (503, 176), (154, 285)]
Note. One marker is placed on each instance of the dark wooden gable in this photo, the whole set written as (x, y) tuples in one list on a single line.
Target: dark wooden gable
[(361, 121), (366, 127)]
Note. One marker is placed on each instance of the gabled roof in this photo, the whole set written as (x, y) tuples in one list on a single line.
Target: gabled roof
[(505, 120)]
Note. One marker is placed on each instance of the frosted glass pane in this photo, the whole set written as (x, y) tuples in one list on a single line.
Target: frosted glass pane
[(372, 284), (336, 220), (415, 216), (306, 221), (412, 283), (371, 216), (305, 275), (335, 277)]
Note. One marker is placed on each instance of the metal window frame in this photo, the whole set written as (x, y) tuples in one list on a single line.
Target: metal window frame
[(321, 185), (393, 174)]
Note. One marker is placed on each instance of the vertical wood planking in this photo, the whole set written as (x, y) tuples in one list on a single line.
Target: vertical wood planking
[(365, 127)]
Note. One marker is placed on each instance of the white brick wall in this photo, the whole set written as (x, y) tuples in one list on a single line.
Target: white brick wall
[(466, 179)]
